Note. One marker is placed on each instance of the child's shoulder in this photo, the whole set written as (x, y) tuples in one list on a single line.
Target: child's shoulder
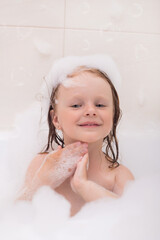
[(41, 155), (122, 176), (123, 171), (37, 160)]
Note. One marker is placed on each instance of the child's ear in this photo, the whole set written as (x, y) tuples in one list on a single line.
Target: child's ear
[(54, 119)]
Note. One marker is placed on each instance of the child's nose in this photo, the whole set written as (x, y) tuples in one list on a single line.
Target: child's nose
[(90, 110)]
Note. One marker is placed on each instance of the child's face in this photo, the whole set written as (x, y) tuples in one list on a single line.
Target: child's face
[(84, 111)]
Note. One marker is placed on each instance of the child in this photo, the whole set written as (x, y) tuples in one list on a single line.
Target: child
[(84, 107)]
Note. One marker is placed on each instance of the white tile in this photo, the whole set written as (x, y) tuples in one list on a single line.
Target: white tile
[(121, 15), (26, 55), (138, 58), (48, 13)]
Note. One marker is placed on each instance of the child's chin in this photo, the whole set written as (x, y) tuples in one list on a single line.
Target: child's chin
[(88, 140)]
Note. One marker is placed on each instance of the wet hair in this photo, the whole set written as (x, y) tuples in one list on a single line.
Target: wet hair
[(112, 148)]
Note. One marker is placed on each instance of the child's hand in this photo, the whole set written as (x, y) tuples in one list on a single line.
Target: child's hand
[(85, 188), (79, 179), (56, 166)]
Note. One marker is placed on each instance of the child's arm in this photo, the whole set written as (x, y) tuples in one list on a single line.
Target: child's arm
[(90, 190), (51, 169)]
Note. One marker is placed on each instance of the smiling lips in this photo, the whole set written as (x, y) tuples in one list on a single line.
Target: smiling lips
[(89, 124)]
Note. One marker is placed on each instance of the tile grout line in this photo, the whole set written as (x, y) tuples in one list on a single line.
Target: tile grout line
[(76, 29), (64, 27)]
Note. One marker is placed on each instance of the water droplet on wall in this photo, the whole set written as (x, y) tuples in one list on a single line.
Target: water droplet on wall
[(116, 11), (85, 45), (141, 52), (141, 98), (42, 46), (39, 97), (136, 10), (85, 7), (23, 33), (19, 76)]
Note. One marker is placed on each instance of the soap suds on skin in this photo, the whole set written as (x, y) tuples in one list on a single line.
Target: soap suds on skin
[(56, 101), (72, 83), (47, 215), (57, 165), (65, 66)]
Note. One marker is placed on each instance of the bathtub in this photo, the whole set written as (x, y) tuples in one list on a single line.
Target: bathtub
[(136, 215)]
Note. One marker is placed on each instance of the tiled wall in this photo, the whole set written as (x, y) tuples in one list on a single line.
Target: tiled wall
[(33, 33)]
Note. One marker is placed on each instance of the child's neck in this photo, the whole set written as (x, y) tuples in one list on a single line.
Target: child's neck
[(95, 155)]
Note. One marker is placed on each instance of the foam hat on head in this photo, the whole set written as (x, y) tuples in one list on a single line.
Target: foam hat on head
[(66, 65)]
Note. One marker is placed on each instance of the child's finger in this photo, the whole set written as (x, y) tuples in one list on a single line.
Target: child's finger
[(84, 160), (81, 170)]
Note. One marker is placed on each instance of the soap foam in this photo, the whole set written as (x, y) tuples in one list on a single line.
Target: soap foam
[(65, 66), (68, 83), (133, 216)]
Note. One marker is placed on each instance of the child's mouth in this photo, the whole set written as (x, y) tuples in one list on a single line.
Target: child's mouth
[(89, 124)]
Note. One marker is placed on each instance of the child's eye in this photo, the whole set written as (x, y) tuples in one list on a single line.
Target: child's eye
[(76, 106), (100, 105)]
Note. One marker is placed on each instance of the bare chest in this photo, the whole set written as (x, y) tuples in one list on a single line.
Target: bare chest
[(76, 201), (105, 179)]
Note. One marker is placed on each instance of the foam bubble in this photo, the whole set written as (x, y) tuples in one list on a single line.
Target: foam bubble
[(133, 216), (64, 66), (72, 83)]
